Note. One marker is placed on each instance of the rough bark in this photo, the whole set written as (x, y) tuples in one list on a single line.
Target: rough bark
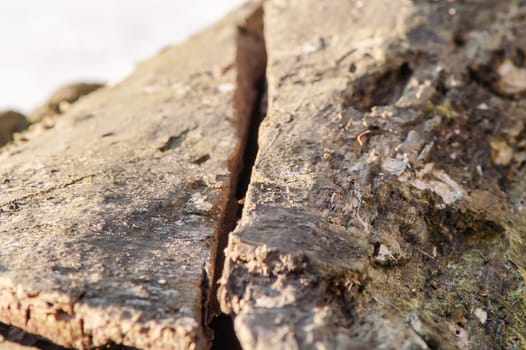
[(385, 208), (109, 220)]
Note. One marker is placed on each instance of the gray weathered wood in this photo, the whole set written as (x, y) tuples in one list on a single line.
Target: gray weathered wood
[(107, 221)]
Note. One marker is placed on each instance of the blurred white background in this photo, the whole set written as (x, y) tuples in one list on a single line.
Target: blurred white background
[(46, 44)]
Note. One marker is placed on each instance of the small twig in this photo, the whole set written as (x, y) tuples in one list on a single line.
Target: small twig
[(364, 224), (426, 254), (362, 134), (344, 56)]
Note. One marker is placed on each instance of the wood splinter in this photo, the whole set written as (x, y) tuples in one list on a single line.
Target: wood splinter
[(362, 134)]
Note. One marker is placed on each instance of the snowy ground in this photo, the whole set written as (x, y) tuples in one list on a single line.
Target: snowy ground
[(45, 44)]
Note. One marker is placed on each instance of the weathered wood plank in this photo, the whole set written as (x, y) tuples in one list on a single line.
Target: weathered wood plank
[(107, 221), (376, 215)]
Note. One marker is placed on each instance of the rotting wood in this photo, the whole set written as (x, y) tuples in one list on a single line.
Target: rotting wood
[(109, 220), (409, 236)]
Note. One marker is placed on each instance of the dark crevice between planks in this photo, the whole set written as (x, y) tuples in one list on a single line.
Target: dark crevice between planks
[(19, 336), (250, 104)]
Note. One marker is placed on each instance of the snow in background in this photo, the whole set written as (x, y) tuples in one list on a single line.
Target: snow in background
[(46, 44)]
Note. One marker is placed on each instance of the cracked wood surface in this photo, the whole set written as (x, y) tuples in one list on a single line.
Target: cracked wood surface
[(378, 216), (385, 208), (107, 221)]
